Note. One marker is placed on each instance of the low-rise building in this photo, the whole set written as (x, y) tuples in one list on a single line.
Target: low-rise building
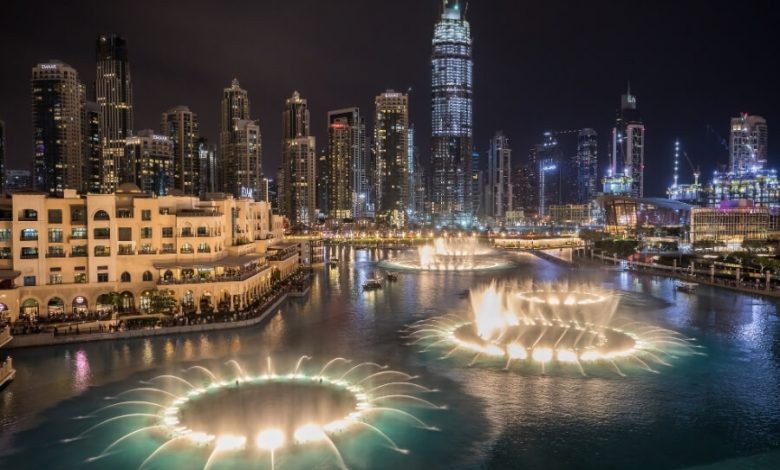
[(729, 224)]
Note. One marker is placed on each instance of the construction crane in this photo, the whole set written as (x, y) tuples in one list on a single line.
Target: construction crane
[(695, 169)]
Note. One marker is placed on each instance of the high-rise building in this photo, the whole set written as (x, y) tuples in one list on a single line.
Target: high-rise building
[(207, 158), (57, 102), (17, 180), (297, 177), (181, 126), (2, 157), (452, 140), (748, 144), (525, 192), (247, 181), (149, 158), (92, 149), (586, 166), (626, 171), (499, 194), (391, 150), (114, 95), (235, 107), (547, 159), (345, 166)]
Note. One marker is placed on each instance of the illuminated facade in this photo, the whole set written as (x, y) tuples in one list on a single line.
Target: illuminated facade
[(57, 102), (391, 147), (546, 159), (2, 157), (347, 190), (181, 126), (626, 171), (761, 187), (452, 120), (730, 225), (499, 198), (92, 148), (570, 214), (149, 162), (748, 144), (297, 176), (114, 95), (208, 174), (586, 166), (240, 146), (625, 214)]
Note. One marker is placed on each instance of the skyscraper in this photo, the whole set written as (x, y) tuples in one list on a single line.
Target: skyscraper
[(2, 157), (149, 158), (547, 158), (586, 166), (499, 195), (628, 148), (92, 150), (391, 150), (57, 97), (748, 144), (247, 179), (181, 126), (345, 168), (114, 95), (235, 107), (451, 68), (297, 178), (207, 157)]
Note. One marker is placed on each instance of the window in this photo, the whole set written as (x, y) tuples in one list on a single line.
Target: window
[(167, 232), (55, 252), (186, 248), (79, 233), (203, 231), (148, 276), (101, 215), (102, 233), (79, 251), (204, 248), (146, 232), (29, 234), (124, 213), (146, 214), (29, 280), (125, 277), (29, 215), (55, 216), (125, 249), (168, 248), (55, 278), (29, 252), (146, 249), (125, 234), (186, 232), (102, 277), (55, 235), (80, 278), (78, 214), (102, 250), (5, 252), (5, 234)]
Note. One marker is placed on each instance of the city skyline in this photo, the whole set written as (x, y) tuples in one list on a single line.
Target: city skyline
[(506, 96)]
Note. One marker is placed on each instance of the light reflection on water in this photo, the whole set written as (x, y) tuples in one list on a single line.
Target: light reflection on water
[(702, 410)]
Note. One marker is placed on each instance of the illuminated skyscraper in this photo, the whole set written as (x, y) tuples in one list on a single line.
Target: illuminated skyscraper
[(114, 95), (240, 149), (391, 147), (207, 157), (498, 196), (57, 102), (297, 177), (149, 162), (92, 148), (452, 144), (346, 165), (586, 166), (626, 171), (748, 144), (547, 160), (181, 126)]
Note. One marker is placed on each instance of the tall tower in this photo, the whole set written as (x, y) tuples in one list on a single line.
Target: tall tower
[(149, 158), (57, 103), (114, 95), (297, 178), (628, 145), (180, 125), (499, 198), (207, 157), (92, 152), (2, 157), (452, 141), (346, 183), (586, 166), (235, 107), (391, 150), (547, 159), (748, 144)]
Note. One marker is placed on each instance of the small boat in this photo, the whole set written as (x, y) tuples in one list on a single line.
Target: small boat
[(7, 373), (688, 287), (334, 262), (391, 276), (372, 283)]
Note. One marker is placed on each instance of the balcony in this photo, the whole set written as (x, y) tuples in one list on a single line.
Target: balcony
[(55, 254), (29, 238), (77, 254), (150, 251), (78, 237), (186, 233), (218, 278), (122, 253), (29, 256)]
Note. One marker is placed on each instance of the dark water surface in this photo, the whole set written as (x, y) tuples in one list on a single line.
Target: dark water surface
[(720, 410)]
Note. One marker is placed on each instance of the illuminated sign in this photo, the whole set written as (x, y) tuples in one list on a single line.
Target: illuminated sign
[(48, 66)]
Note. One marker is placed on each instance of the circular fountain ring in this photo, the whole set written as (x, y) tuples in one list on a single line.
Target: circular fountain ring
[(449, 264), (268, 411), (561, 298)]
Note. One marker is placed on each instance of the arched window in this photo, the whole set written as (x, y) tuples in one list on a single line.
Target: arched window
[(148, 276), (101, 215), (125, 277), (186, 248), (204, 248)]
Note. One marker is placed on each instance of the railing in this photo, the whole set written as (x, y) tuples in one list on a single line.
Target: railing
[(55, 254), (77, 254), (28, 238), (221, 278), (147, 252), (283, 256), (78, 237), (5, 335), (124, 252), (29, 256)]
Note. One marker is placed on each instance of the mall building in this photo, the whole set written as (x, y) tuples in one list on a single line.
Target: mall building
[(115, 253)]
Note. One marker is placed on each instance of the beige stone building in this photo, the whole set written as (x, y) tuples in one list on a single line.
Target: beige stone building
[(111, 252)]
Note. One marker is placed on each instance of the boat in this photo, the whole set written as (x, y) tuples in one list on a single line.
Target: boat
[(372, 283), (7, 372), (391, 276), (334, 262), (688, 287)]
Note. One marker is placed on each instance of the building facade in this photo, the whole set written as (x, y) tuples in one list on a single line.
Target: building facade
[(180, 125), (748, 141), (547, 160), (92, 149), (586, 166), (234, 108), (149, 162), (115, 253), (345, 165), (207, 161), (2, 157), (451, 119), (729, 225), (391, 147), (499, 197), (114, 95), (297, 176), (626, 172)]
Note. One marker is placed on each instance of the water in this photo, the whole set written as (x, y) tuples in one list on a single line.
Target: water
[(719, 410)]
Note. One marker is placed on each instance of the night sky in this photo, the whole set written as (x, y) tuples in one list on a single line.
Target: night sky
[(551, 65)]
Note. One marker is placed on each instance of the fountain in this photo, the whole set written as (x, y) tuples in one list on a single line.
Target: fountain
[(450, 254), (565, 325), (245, 415)]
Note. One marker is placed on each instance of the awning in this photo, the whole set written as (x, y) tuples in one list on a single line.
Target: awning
[(9, 274)]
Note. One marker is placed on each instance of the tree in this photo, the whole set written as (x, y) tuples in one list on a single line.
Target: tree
[(162, 301)]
